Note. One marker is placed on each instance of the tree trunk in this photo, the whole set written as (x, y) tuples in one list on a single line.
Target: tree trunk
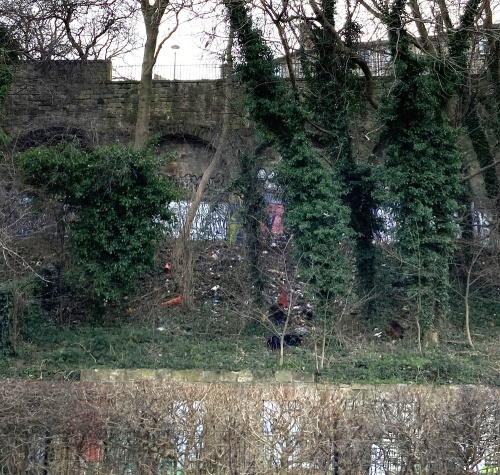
[(145, 93), (152, 15), (184, 253), (467, 305), (480, 202)]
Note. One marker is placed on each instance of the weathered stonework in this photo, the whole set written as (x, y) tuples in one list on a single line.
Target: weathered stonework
[(196, 376), (186, 115), (70, 95)]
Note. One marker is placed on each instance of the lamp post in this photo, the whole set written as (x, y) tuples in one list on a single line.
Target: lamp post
[(175, 48)]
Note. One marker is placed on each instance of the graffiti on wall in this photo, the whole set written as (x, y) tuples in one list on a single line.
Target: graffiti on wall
[(210, 221), (215, 183), (222, 220), (273, 199)]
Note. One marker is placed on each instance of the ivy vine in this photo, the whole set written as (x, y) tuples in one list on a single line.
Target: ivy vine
[(120, 203)]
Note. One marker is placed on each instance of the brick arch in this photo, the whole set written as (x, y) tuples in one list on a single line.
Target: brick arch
[(49, 136)]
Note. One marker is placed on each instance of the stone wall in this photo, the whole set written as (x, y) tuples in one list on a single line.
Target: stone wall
[(67, 93), (70, 95), (49, 98), (195, 376)]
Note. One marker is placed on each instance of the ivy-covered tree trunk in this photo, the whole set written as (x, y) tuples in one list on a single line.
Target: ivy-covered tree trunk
[(423, 172), (333, 98), (474, 101), (315, 214), (252, 215)]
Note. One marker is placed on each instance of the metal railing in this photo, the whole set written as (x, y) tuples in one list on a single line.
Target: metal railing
[(177, 72), (378, 59)]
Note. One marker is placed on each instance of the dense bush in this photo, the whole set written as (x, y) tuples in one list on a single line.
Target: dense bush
[(119, 207)]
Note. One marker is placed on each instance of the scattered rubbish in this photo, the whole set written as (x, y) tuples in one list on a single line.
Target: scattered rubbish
[(301, 330), (161, 329), (395, 330), (293, 340), (166, 268), (273, 343), (308, 312), (93, 450), (283, 300), (274, 271), (276, 314), (172, 302)]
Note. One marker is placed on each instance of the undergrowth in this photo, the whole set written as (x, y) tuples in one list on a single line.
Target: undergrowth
[(226, 331), (60, 352)]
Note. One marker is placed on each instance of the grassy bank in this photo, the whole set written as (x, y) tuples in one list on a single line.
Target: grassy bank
[(60, 352)]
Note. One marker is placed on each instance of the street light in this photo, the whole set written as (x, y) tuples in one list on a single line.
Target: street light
[(175, 48)]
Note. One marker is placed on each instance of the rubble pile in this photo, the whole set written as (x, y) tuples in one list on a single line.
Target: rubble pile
[(223, 288)]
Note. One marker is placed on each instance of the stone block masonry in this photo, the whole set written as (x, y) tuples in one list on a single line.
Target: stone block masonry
[(80, 95), (57, 99), (196, 376)]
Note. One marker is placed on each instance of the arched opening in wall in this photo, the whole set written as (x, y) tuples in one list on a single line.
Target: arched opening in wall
[(51, 136), (192, 157)]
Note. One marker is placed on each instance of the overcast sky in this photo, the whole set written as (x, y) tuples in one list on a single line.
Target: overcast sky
[(191, 37), (201, 40)]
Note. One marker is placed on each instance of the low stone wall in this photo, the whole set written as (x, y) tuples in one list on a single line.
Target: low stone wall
[(196, 376), (300, 380)]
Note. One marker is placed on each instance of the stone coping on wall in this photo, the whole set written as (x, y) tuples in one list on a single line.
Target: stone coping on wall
[(245, 377), (196, 376)]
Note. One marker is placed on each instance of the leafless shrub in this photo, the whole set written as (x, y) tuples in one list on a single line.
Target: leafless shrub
[(153, 427)]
